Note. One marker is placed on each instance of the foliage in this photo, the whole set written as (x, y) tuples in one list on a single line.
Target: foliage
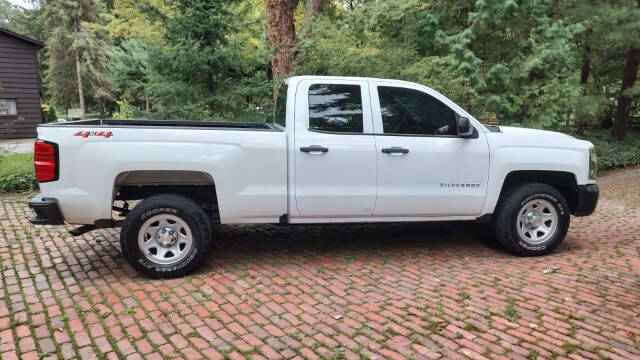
[(17, 173), (48, 113), (519, 70), (335, 48), (201, 72), (74, 29), (126, 111), (613, 153), (128, 20), (20, 20), (51, 115), (130, 71), (18, 182)]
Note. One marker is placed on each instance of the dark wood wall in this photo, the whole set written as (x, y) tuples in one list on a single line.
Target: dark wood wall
[(19, 80)]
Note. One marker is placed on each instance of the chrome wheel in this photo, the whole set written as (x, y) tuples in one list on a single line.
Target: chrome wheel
[(165, 239), (537, 221)]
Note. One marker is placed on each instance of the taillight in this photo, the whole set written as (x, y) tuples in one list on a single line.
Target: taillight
[(45, 158)]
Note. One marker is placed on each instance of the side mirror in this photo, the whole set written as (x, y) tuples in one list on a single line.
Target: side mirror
[(464, 127)]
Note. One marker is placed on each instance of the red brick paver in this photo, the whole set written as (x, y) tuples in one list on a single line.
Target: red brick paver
[(377, 291)]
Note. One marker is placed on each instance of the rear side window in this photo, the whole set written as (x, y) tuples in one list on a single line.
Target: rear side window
[(335, 108), (412, 112), (280, 116)]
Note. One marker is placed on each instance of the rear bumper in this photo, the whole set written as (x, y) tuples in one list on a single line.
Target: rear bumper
[(47, 211), (587, 199)]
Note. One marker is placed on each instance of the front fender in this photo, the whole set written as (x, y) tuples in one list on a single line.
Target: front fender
[(507, 159)]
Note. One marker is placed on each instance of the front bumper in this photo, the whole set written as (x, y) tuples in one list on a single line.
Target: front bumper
[(47, 211), (586, 199)]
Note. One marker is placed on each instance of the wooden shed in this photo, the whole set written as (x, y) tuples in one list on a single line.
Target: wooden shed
[(20, 94)]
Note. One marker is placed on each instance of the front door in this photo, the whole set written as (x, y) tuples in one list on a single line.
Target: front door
[(424, 167), (335, 161)]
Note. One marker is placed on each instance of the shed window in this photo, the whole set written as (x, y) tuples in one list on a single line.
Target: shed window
[(8, 107)]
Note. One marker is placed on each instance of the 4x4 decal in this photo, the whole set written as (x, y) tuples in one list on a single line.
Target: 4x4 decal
[(85, 134)]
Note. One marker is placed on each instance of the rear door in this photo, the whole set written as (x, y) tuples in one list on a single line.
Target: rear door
[(335, 153)]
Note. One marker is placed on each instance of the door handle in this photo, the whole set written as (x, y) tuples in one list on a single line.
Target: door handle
[(396, 150), (314, 149)]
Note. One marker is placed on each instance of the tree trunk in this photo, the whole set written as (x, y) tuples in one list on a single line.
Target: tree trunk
[(585, 70), (101, 110), (282, 35), (76, 54), (586, 63), (79, 79), (630, 74), (313, 7)]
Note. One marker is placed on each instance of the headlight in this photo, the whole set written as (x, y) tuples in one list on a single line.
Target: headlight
[(593, 163)]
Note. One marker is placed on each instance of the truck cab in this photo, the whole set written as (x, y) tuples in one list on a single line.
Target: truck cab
[(382, 149)]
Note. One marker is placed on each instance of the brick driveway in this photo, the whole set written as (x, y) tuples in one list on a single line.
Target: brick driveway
[(377, 291)]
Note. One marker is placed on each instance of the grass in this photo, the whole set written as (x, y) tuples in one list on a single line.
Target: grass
[(17, 173), (16, 164)]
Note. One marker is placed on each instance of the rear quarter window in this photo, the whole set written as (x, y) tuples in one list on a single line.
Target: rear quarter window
[(280, 112)]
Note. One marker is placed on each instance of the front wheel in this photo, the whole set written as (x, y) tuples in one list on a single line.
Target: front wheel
[(532, 219), (166, 235)]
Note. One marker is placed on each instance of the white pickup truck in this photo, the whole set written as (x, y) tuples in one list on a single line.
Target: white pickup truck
[(338, 150)]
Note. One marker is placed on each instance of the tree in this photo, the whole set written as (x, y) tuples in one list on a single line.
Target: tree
[(76, 46), (629, 75), (128, 20), (195, 73), (129, 71), (282, 35)]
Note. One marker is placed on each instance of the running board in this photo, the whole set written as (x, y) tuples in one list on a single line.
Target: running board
[(82, 230), (98, 224)]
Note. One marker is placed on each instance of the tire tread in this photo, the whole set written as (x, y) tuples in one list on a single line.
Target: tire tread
[(182, 203), (503, 226)]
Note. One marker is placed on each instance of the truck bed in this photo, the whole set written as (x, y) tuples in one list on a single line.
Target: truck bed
[(211, 125), (246, 162)]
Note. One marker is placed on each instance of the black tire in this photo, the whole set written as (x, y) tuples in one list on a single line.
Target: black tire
[(178, 206), (505, 217)]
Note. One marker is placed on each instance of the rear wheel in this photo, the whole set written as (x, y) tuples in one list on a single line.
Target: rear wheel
[(532, 219), (166, 235)]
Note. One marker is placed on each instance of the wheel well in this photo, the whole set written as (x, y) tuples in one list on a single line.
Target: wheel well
[(564, 182), (196, 185)]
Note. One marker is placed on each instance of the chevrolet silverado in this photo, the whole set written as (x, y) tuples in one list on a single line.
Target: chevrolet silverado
[(338, 150)]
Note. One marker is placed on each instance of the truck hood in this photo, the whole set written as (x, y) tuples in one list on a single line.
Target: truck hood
[(518, 131), (523, 137)]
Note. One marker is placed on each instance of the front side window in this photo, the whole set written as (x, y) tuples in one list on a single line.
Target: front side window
[(335, 108), (412, 112), (280, 116), (8, 107)]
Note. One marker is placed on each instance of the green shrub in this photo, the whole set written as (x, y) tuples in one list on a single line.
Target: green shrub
[(18, 182), (51, 115), (612, 153)]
